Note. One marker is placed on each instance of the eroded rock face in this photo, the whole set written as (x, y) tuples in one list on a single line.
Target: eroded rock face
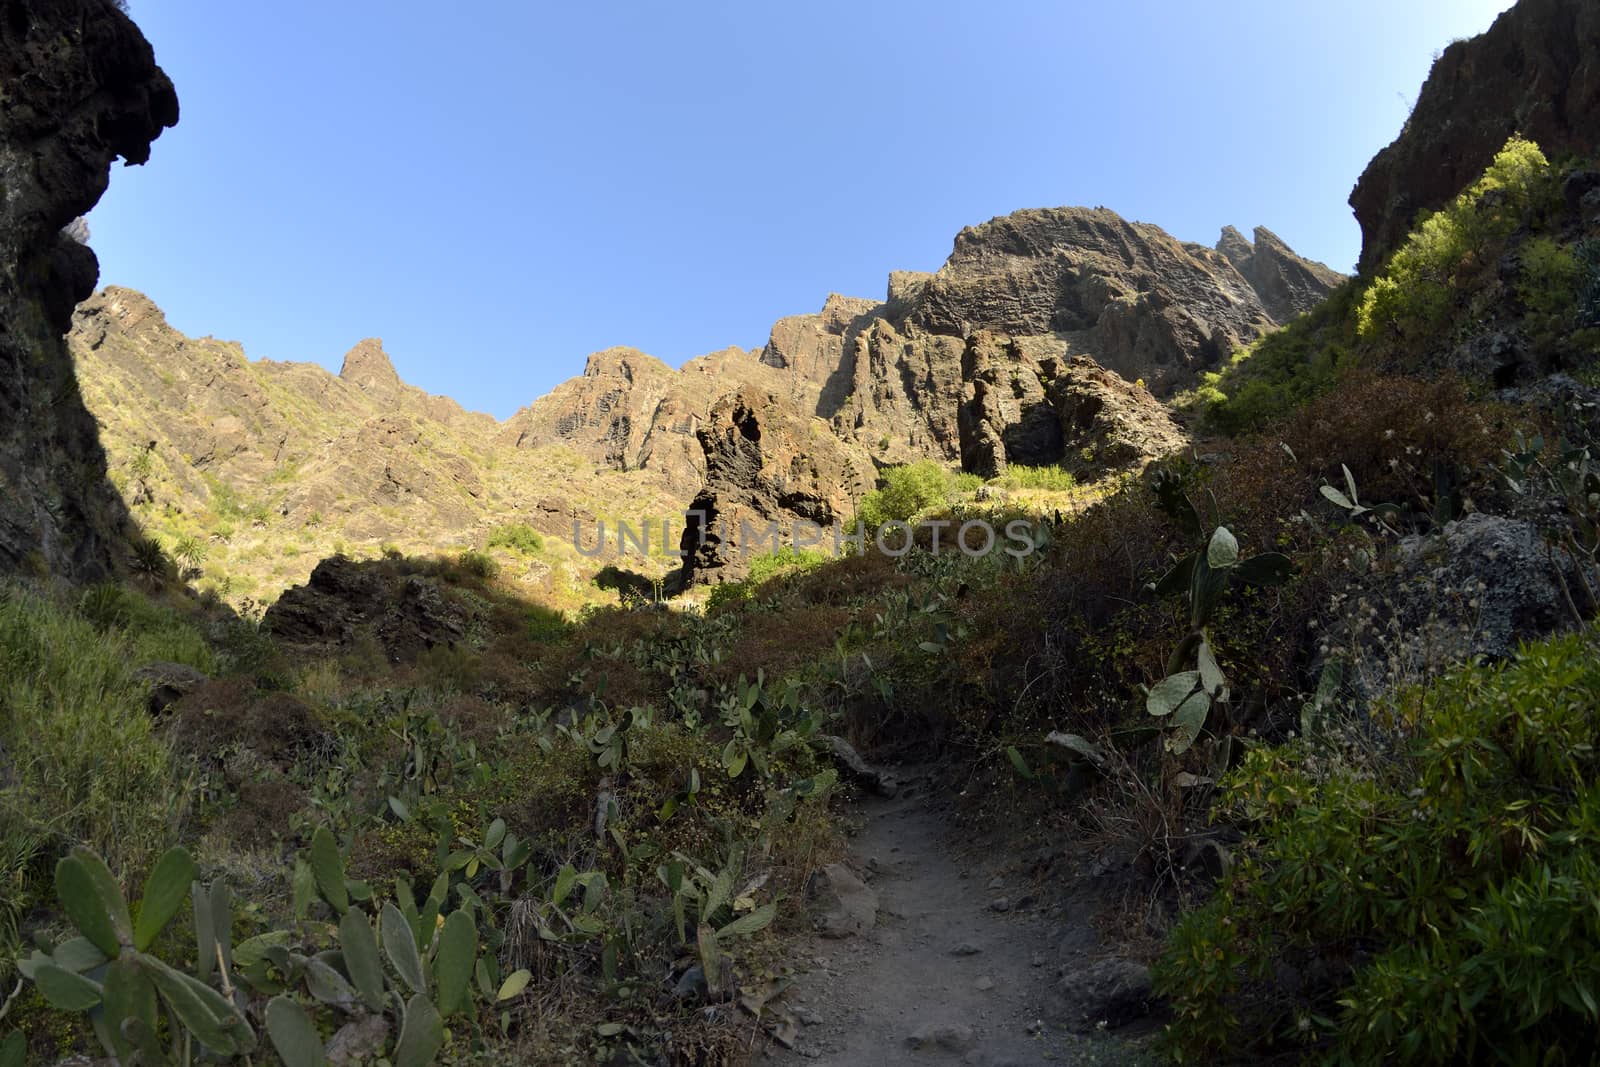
[(630, 411), (1018, 408), (1127, 294), (765, 465), (891, 378), (82, 89), (362, 440), (1057, 283), (1536, 71)]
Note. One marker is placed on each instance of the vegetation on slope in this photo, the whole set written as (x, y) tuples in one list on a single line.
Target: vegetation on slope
[(623, 805), (1435, 884), (1505, 254)]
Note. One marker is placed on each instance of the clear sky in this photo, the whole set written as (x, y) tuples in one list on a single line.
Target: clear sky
[(498, 189)]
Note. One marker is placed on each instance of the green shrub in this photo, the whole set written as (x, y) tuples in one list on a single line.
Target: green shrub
[(1451, 888), (1055, 479), (763, 568), (519, 537), (906, 491), (1549, 277), (1415, 294)]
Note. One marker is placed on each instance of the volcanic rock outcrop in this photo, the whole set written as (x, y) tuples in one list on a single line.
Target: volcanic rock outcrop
[(1057, 283), (82, 89), (767, 468), (630, 411), (1536, 72), (1067, 412)]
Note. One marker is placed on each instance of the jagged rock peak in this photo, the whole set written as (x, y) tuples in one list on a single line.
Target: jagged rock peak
[(1138, 300), (82, 89), (1287, 284), (368, 367), (1536, 72), (1235, 246)]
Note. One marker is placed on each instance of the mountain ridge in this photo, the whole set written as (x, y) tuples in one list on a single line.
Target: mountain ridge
[(362, 458)]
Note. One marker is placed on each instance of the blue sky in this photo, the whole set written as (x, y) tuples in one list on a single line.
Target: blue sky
[(498, 190)]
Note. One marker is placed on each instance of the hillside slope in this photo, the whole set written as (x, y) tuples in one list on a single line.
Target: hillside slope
[(270, 467)]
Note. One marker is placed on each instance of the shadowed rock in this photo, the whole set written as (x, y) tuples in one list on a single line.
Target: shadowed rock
[(82, 89), (1536, 72)]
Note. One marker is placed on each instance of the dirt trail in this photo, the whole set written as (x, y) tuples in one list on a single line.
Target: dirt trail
[(946, 975)]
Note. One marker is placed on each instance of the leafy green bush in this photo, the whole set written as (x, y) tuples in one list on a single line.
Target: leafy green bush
[(1424, 288), (906, 491), (786, 560), (519, 537), (1415, 294), (1549, 276), (1449, 889)]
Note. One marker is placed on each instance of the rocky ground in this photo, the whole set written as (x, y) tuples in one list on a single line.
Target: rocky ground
[(932, 951)]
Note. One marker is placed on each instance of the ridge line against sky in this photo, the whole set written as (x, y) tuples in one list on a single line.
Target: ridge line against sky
[(499, 196)]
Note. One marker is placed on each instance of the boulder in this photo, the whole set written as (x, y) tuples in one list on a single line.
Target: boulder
[(1477, 588), (942, 1036), (844, 905), (1108, 993)]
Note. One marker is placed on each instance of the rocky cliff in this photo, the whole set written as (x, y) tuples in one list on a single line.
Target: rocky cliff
[(1051, 287), (82, 89), (887, 376), (1536, 72), (1046, 338)]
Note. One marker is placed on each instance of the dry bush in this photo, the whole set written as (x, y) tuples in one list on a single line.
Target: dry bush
[(1390, 430), (232, 713), (781, 642)]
